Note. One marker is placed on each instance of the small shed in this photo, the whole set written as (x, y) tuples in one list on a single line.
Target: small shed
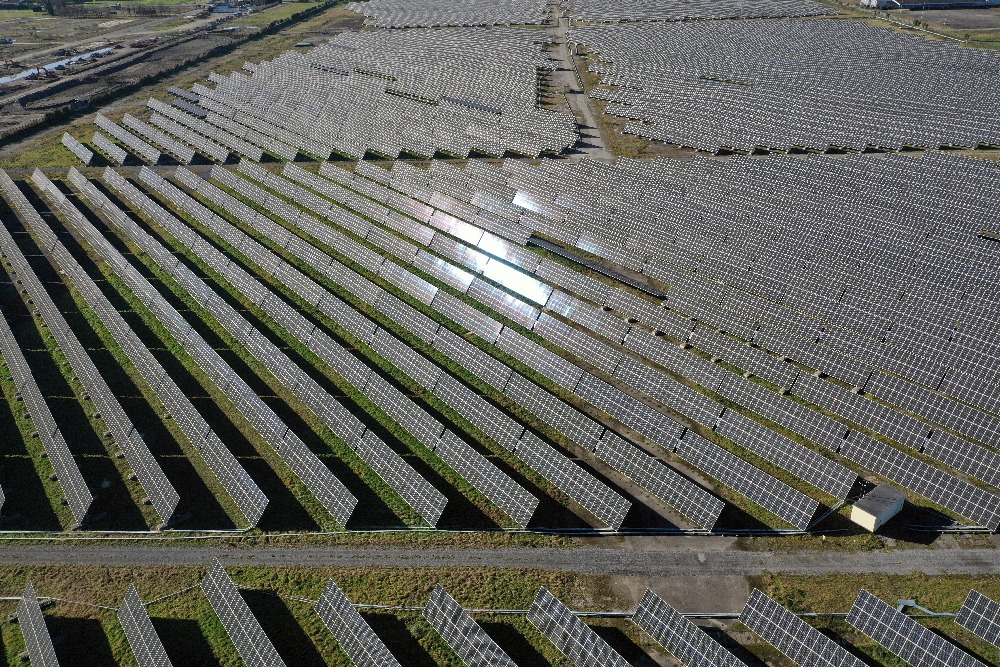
[(878, 506)]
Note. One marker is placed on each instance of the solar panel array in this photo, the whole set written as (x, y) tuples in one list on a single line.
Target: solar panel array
[(685, 640), (178, 150), (244, 491), (905, 637), (77, 149), (353, 634), (641, 468), (243, 629), (813, 83), (142, 638), (74, 486), (788, 633), (109, 148), (475, 91), (134, 143), (666, 10), (981, 616), (576, 640), (465, 637), (754, 280), (161, 493), (209, 139), (436, 13), (334, 497), (578, 484), (41, 653), (782, 500)]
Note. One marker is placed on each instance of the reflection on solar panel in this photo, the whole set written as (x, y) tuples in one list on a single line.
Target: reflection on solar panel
[(355, 636), (792, 636), (139, 630), (241, 626), (462, 633), (569, 634), (905, 637), (981, 616), (685, 640), (33, 628)]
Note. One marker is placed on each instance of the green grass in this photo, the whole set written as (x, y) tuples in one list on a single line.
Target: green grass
[(283, 11), (19, 14)]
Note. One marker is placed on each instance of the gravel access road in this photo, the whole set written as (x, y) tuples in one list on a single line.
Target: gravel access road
[(583, 560)]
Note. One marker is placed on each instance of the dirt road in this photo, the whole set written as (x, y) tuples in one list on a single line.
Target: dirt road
[(584, 560)]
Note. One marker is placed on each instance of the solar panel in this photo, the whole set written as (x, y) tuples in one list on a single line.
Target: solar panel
[(981, 616), (802, 462), (685, 640), (244, 491), (243, 629), (933, 483), (147, 469), (576, 640), (788, 633), (489, 419), (465, 637), (539, 358), (760, 487), (404, 480), (353, 634), (904, 636), (78, 495), (596, 497), (41, 653), (142, 638), (502, 491), (659, 479)]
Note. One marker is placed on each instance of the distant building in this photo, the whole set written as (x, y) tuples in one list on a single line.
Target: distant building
[(878, 506), (928, 4)]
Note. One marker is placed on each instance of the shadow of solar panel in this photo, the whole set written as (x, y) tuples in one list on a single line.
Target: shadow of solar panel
[(788, 633), (243, 629), (465, 637), (904, 636), (576, 640), (981, 616), (142, 638), (685, 640), (353, 634), (41, 653)]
